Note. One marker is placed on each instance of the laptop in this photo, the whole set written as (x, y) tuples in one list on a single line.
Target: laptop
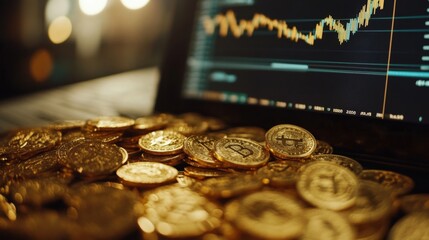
[(355, 74)]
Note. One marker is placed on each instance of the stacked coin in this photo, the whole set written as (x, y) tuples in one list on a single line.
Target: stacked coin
[(188, 176)]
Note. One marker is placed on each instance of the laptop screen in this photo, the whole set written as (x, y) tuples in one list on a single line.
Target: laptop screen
[(361, 58)]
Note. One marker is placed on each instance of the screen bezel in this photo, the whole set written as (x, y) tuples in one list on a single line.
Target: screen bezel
[(389, 143)]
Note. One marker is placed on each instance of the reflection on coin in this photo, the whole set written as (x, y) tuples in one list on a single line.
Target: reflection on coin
[(279, 173), (267, 215), (415, 203), (146, 173), (228, 186), (344, 161), (110, 123), (202, 173), (326, 224), (412, 226), (162, 142), (188, 126), (398, 184), (241, 153), (373, 204), (151, 123), (199, 148), (327, 185), (178, 212), (290, 141), (323, 147), (90, 158)]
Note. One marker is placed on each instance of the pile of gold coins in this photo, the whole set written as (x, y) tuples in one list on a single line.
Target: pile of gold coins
[(191, 177)]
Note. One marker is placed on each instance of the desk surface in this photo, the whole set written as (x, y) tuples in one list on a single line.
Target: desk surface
[(130, 94)]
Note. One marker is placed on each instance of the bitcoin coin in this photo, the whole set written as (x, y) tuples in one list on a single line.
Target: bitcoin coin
[(279, 173), (162, 142), (323, 147), (398, 184), (327, 185), (178, 212), (241, 153), (228, 186), (344, 161), (110, 123), (373, 204), (415, 203), (290, 141), (146, 174), (267, 215), (90, 158), (413, 226), (199, 148), (26, 143), (326, 224)]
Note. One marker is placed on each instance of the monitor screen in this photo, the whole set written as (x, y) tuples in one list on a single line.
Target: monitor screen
[(362, 58)]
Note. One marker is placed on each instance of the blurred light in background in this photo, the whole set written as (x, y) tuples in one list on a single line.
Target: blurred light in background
[(55, 9), (60, 30), (41, 65), (92, 7), (134, 4)]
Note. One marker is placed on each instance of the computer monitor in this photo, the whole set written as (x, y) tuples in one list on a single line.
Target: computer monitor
[(355, 73)]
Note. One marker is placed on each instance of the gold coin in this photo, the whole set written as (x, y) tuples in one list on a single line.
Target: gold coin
[(188, 126), (344, 161), (90, 158), (26, 143), (415, 203), (327, 224), (323, 147), (373, 204), (256, 134), (412, 226), (202, 173), (110, 123), (279, 173), (327, 185), (178, 212), (290, 141), (162, 142), (146, 174), (171, 160), (151, 123), (398, 184), (33, 167), (241, 153), (228, 186), (199, 148), (66, 125), (267, 215)]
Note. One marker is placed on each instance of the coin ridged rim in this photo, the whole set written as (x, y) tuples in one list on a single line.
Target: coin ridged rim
[(308, 175), (258, 160), (281, 152), (139, 176), (110, 122), (177, 147)]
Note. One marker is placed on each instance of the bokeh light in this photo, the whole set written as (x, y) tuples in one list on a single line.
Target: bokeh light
[(41, 65), (56, 8), (92, 7), (134, 4), (60, 30)]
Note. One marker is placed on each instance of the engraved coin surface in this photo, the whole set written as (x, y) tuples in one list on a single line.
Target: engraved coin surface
[(290, 141), (146, 173), (240, 152), (327, 185), (90, 158), (267, 215), (326, 224), (344, 161), (199, 148), (162, 142), (44, 162), (398, 184)]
